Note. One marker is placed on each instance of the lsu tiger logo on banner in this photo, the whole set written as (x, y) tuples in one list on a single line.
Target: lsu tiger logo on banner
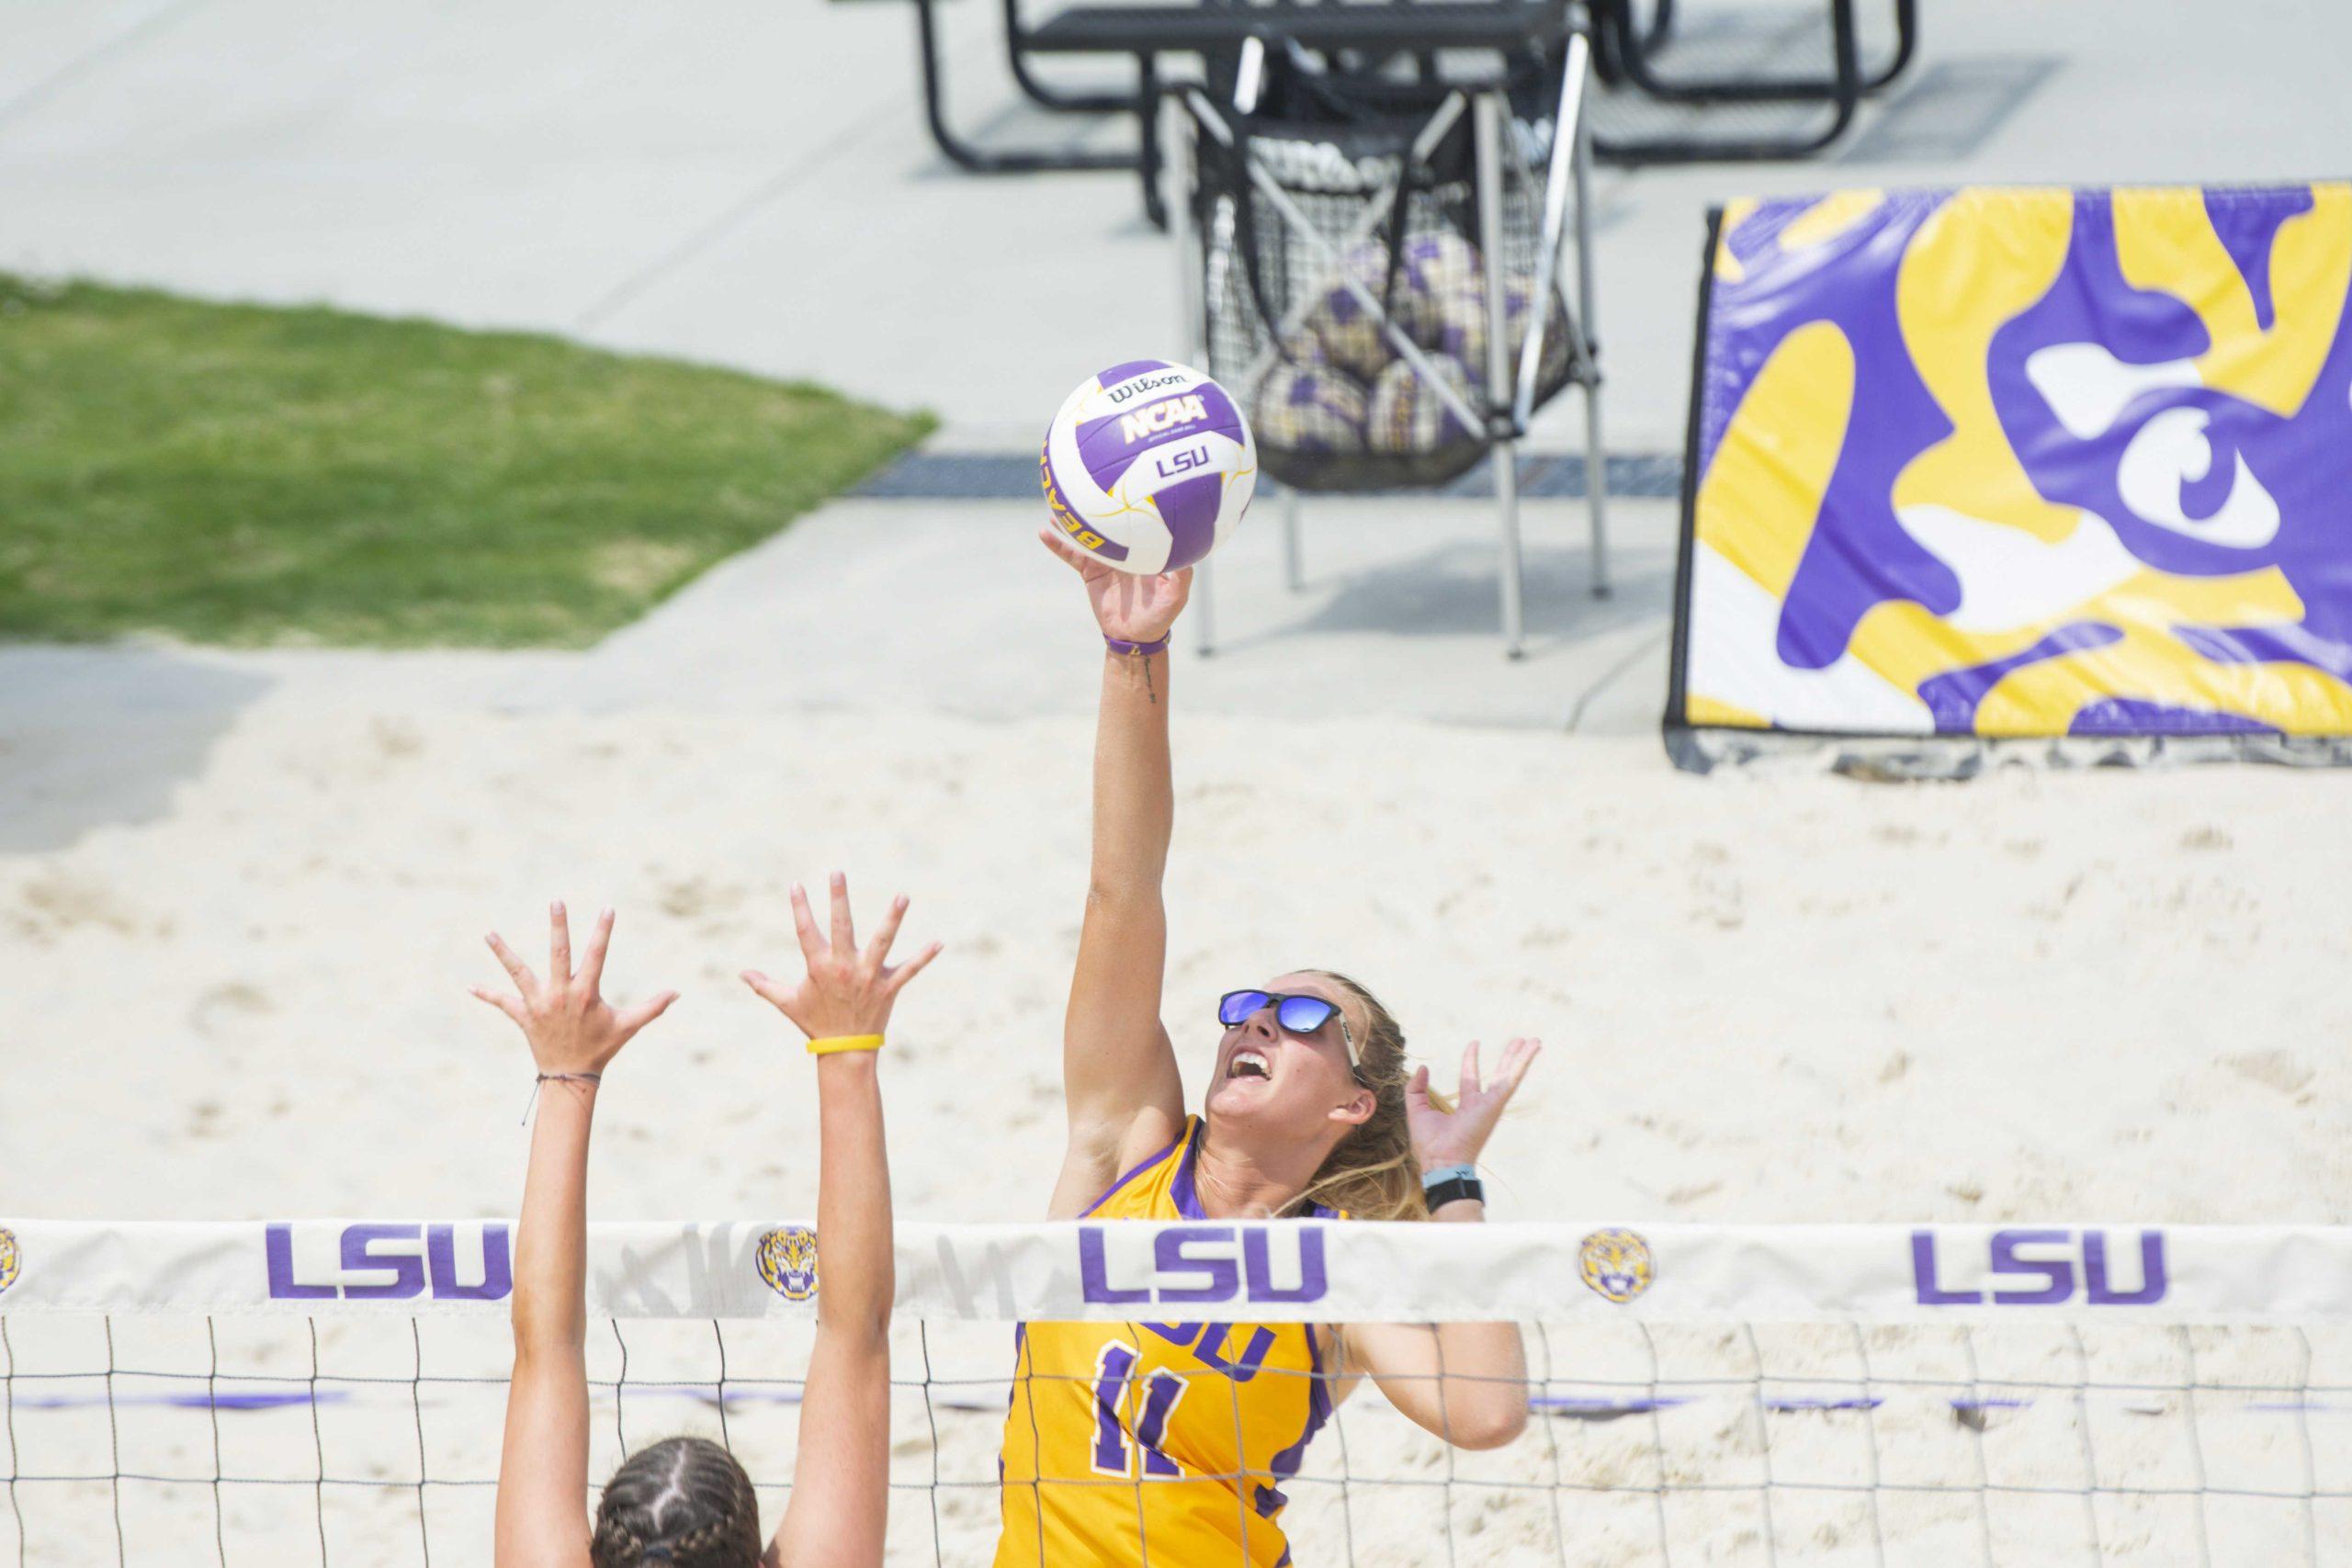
[(9, 1257), (787, 1262), (1617, 1264), (2011, 462)]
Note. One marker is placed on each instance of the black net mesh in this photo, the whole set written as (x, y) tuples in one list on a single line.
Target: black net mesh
[(1334, 402), (373, 1442)]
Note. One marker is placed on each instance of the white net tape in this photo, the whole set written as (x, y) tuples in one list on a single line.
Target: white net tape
[(235, 1393)]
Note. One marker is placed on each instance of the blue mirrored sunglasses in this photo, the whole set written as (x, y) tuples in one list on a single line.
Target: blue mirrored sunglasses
[(1297, 1013)]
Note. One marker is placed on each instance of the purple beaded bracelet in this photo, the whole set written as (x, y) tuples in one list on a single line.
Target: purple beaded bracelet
[(1120, 645)]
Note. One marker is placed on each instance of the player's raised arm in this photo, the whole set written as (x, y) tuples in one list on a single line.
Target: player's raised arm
[(841, 1481), (1119, 1079), (541, 1516), (1464, 1381)]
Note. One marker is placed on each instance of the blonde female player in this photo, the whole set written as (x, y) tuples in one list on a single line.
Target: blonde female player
[(685, 1501), (1169, 1442)]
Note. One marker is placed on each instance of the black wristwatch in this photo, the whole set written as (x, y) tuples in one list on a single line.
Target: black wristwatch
[(1452, 1185)]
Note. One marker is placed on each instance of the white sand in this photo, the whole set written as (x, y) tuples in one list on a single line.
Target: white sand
[(1765, 997)]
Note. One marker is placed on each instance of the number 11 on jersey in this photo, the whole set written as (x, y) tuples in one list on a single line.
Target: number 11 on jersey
[(1115, 1444)]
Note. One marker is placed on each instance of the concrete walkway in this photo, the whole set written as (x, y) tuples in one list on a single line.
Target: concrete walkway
[(750, 184)]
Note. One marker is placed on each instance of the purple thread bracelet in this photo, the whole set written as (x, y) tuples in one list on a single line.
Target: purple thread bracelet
[(1120, 645)]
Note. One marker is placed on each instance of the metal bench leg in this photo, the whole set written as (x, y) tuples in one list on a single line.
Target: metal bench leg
[(966, 156), (1015, 35)]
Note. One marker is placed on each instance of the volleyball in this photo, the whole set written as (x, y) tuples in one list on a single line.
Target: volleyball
[(1348, 332), (1149, 465), (1310, 407), (1462, 330), (1433, 266), (1408, 415)]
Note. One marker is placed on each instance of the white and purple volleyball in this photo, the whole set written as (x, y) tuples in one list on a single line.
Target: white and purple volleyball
[(1148, 466), (1462, 332), (1407, 415), (1310, 407)]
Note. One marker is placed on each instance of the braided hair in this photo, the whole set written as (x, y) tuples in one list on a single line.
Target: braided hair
[(684, 1502)]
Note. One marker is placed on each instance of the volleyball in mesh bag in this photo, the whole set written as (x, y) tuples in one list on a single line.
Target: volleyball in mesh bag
[(1462, 330), (1310, 405), (1427, 268), (1408, 415), (1148, 465)]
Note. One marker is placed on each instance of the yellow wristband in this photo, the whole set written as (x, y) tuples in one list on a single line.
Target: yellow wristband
[(832, 1043)]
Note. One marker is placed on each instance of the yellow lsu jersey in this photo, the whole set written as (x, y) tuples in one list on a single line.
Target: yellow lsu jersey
[(1134, 1443)]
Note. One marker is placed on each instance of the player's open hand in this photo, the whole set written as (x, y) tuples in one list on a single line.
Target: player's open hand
[(1455, 1138), (848, 989), (565, 1017), (1126, 606)]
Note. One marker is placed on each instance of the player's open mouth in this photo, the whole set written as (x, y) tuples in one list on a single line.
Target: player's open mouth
[(1247, 1065)]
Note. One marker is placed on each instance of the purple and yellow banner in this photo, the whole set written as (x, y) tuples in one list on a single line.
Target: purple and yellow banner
[(2021, 462)]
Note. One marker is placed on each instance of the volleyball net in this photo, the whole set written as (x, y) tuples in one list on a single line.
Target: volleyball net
[(331, 1392)]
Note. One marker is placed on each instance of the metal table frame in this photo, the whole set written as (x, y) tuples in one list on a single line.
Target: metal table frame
[(1625, 50)]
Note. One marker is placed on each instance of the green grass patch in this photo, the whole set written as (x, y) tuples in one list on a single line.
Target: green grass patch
[(247, 475)]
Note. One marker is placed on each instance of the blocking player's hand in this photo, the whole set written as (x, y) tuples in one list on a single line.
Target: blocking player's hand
[(1127, 606), (848, 989), (570, 1025)]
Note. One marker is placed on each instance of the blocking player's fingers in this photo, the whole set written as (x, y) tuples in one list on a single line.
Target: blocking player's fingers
[(898, 977), (645, 1013), (844, 936), (511, 1006), (1417, 1088), (804, 924), (558, 945), (767, 990), (1517, 1060), (518, 971), (879, 948), (591, 957), (1470, 1079)]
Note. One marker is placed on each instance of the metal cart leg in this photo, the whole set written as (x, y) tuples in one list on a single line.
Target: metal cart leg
[(1596, 457), (1595, 489), (1172, 131), (1292, 568), (1486, 133)]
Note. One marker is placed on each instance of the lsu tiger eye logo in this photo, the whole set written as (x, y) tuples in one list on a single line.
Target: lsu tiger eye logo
[(7, 1257), (788, 1260), (1617, 1264)]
